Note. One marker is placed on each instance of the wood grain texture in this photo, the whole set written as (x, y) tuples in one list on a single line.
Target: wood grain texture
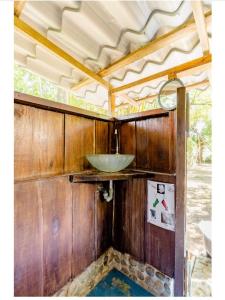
[(155, 143), (39, 142), (128, 140), (101, 137), (79, 141), (56, 197), (158, 143), (103, 223), (23, 142), (129, 217), (28, 262), (119, 228), (160, 248), (142, 150), (48, 142), (83, 226), (136, 217), (180, 194)]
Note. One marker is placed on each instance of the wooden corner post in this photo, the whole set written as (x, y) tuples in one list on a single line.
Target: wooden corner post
[(111, 103), (180, 193)]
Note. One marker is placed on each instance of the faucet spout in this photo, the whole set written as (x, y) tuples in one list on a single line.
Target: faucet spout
[(117, 141)]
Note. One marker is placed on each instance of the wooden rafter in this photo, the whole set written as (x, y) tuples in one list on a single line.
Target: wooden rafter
[(18, 7), (151, 47), (201, 26), (188, 88), (111, 102), (180, 68), (42, 40), (129, 100)]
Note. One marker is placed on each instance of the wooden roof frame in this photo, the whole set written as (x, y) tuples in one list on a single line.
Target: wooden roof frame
[(199, 22), (42, 40), (198, 12), (188, 88), (205, 59), (18, 7), (149, 48)]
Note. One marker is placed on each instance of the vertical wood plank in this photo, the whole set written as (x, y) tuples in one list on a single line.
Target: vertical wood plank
[(119, 215), (128, 140), (23, 141), (48, 142), (136, 218), (83, 227), (56, 195), (180, 193), (101, 137), (142, 144), (159, 248), (158, 143), (103, 223), (39, 142), (79, 141), (28, 262), (129, 217), (172, 142), (155, 144)]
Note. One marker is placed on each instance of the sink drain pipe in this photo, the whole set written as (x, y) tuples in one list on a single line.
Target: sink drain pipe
[(108, 195)]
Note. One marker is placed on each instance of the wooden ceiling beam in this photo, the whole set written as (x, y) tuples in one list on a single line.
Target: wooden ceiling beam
[(111, 103), (42, 40), (151, 47), (18, 7), (201, 26), (175, 70), (188, 88), (129, 100)]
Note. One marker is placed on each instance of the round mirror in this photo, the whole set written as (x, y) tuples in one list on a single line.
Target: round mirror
[(168, 94)]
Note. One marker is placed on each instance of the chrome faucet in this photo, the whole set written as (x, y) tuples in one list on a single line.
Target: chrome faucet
[(117, 141)]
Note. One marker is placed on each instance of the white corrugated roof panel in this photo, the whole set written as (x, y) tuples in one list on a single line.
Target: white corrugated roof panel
[(98, 33)]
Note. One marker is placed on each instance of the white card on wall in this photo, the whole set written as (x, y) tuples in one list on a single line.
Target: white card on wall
[(161, 208)]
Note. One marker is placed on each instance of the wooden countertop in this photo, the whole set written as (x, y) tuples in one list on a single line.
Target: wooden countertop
[(94, 176)]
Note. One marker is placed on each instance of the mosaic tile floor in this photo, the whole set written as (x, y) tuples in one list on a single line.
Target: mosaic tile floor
[(117, 284)]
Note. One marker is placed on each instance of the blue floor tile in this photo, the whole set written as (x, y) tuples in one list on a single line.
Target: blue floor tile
[(118, 285)]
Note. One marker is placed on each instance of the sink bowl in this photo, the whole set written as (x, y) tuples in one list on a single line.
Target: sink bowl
[(110, 162)]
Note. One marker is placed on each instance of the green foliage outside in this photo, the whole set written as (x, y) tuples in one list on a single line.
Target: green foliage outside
[(32, 84), (143, 106), (199, 144)]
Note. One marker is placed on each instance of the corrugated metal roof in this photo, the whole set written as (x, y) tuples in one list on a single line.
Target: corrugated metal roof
[(98, 33)]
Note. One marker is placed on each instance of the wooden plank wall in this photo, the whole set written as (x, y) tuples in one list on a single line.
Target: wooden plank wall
[(152, 140), (51, 143), (60, 228), (51, 213)]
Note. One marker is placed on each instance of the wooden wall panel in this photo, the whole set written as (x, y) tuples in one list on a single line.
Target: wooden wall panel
[(128, 140), (153, 142), (136, 218), (160, 248), (101, 137), (39, 142), (23, 142), (142, 151), (48, 142), (56, 196), (28, 261), (129, 216), (79, 141), (159, 144), (83, 226), (103, 223), (119, 234)]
